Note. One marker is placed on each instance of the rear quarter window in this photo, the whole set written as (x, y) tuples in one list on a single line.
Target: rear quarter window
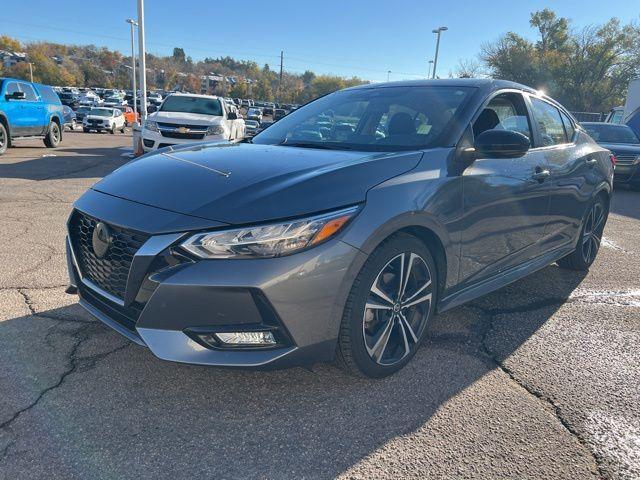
[(48, 95)]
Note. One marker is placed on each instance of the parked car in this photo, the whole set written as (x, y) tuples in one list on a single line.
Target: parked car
[(81, 112), (615, 115), (29, 110), (104, 119), (623, 142), (69, 118), (251, 128), (114, 101), (294, 249), (279, 113), (254, 113), (264, 125), (69, 99), (188, 118), (268, 108), (130, 116)]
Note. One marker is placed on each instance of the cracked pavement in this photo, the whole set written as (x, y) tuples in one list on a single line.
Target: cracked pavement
[(538, 380)]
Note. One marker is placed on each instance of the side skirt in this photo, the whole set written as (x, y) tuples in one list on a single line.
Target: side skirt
[(503, 279)]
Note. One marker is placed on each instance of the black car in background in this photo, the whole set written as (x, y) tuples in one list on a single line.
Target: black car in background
[(69, 117), (69, 99), (624, 144), (279, 113)]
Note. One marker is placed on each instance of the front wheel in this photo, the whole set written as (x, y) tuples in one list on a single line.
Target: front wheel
[(387, 311), (590, 237), (54, 135)]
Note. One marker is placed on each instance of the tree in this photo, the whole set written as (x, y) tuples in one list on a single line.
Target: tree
[(10, 44), (179, 55), (586, 70)]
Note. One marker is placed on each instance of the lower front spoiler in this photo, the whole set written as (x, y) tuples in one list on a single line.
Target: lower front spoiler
[(176, 346)]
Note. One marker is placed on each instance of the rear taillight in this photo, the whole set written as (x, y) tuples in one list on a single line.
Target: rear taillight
[(613, 159)]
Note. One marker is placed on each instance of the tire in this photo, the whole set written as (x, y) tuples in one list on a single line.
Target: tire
[(113, 129), (381, 328), (54, 136), (590, 237), (122, 129), (85, 130), (4, 138)]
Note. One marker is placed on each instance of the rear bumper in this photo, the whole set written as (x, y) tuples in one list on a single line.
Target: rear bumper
[(302, 295)]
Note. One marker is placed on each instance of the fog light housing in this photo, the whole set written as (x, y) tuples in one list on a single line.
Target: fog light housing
[(246, 338), (238, 339)]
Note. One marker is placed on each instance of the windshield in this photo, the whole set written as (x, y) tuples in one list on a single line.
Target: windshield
[(607, 133), (254, 111), (251, 123), (371, 119), (101, 112), (201, 105)]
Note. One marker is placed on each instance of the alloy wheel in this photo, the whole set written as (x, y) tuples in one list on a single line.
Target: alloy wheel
[(592, 233), (397, 308), (55, 133)]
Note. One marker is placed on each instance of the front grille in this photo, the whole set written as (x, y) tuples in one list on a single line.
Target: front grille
[(626, 159), (200, 128), (110, 272), (187, 136)]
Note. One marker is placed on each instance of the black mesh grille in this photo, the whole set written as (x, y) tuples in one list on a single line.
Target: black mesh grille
[(110, 272)]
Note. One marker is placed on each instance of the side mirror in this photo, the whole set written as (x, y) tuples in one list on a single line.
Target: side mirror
[(501, 144), (16, 96), (232, 116)]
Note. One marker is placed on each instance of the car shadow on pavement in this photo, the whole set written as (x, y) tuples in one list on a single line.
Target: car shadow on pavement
[(61, 163), (93, 402)]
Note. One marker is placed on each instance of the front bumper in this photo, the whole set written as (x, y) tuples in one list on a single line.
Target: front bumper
[(154, 140), (629, 174), (303, 295)]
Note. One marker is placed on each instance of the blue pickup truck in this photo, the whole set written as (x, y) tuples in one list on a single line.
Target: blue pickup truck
[(29, 110)]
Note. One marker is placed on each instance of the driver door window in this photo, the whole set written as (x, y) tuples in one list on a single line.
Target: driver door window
[(506, 111)]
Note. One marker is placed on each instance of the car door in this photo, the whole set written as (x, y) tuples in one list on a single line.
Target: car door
[(505, 202), (572, 181), (33, 112), (12, 108)]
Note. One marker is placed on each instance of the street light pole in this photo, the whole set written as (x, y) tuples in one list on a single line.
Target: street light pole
[(429, 68), (388, 74), (437, 31), (31, 72), (133, 24), (143, 63)]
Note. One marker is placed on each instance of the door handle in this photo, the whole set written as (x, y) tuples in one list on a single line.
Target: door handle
[(541, 175), (591, 162)]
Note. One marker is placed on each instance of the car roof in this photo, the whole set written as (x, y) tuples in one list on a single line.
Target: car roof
[(180, 94), (491, 83)]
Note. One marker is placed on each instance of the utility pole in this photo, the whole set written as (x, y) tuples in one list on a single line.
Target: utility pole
[(437, 31), (133, 24), (280, 81), (143, 63)]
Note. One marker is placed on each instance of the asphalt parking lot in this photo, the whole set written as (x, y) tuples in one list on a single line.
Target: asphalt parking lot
[(538, 380)]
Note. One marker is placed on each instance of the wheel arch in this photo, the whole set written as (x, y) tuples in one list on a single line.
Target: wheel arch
[(5, 121), (430, 232)]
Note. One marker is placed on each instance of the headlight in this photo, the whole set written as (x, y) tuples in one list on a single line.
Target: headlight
[(215, 130), (151, 126), (269, 240)]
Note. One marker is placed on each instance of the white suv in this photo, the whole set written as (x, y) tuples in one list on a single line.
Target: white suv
[(190, 118), (104, 118)]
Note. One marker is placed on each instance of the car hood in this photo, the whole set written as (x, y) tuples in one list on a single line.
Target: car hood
[(247, 183), (622, 148), (96, 117), (185, 118)]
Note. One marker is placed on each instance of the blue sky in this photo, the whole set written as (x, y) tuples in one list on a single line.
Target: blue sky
[(346, 37)]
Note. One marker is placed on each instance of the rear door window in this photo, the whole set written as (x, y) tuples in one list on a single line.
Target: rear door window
[(568, 126), (549, 123)]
